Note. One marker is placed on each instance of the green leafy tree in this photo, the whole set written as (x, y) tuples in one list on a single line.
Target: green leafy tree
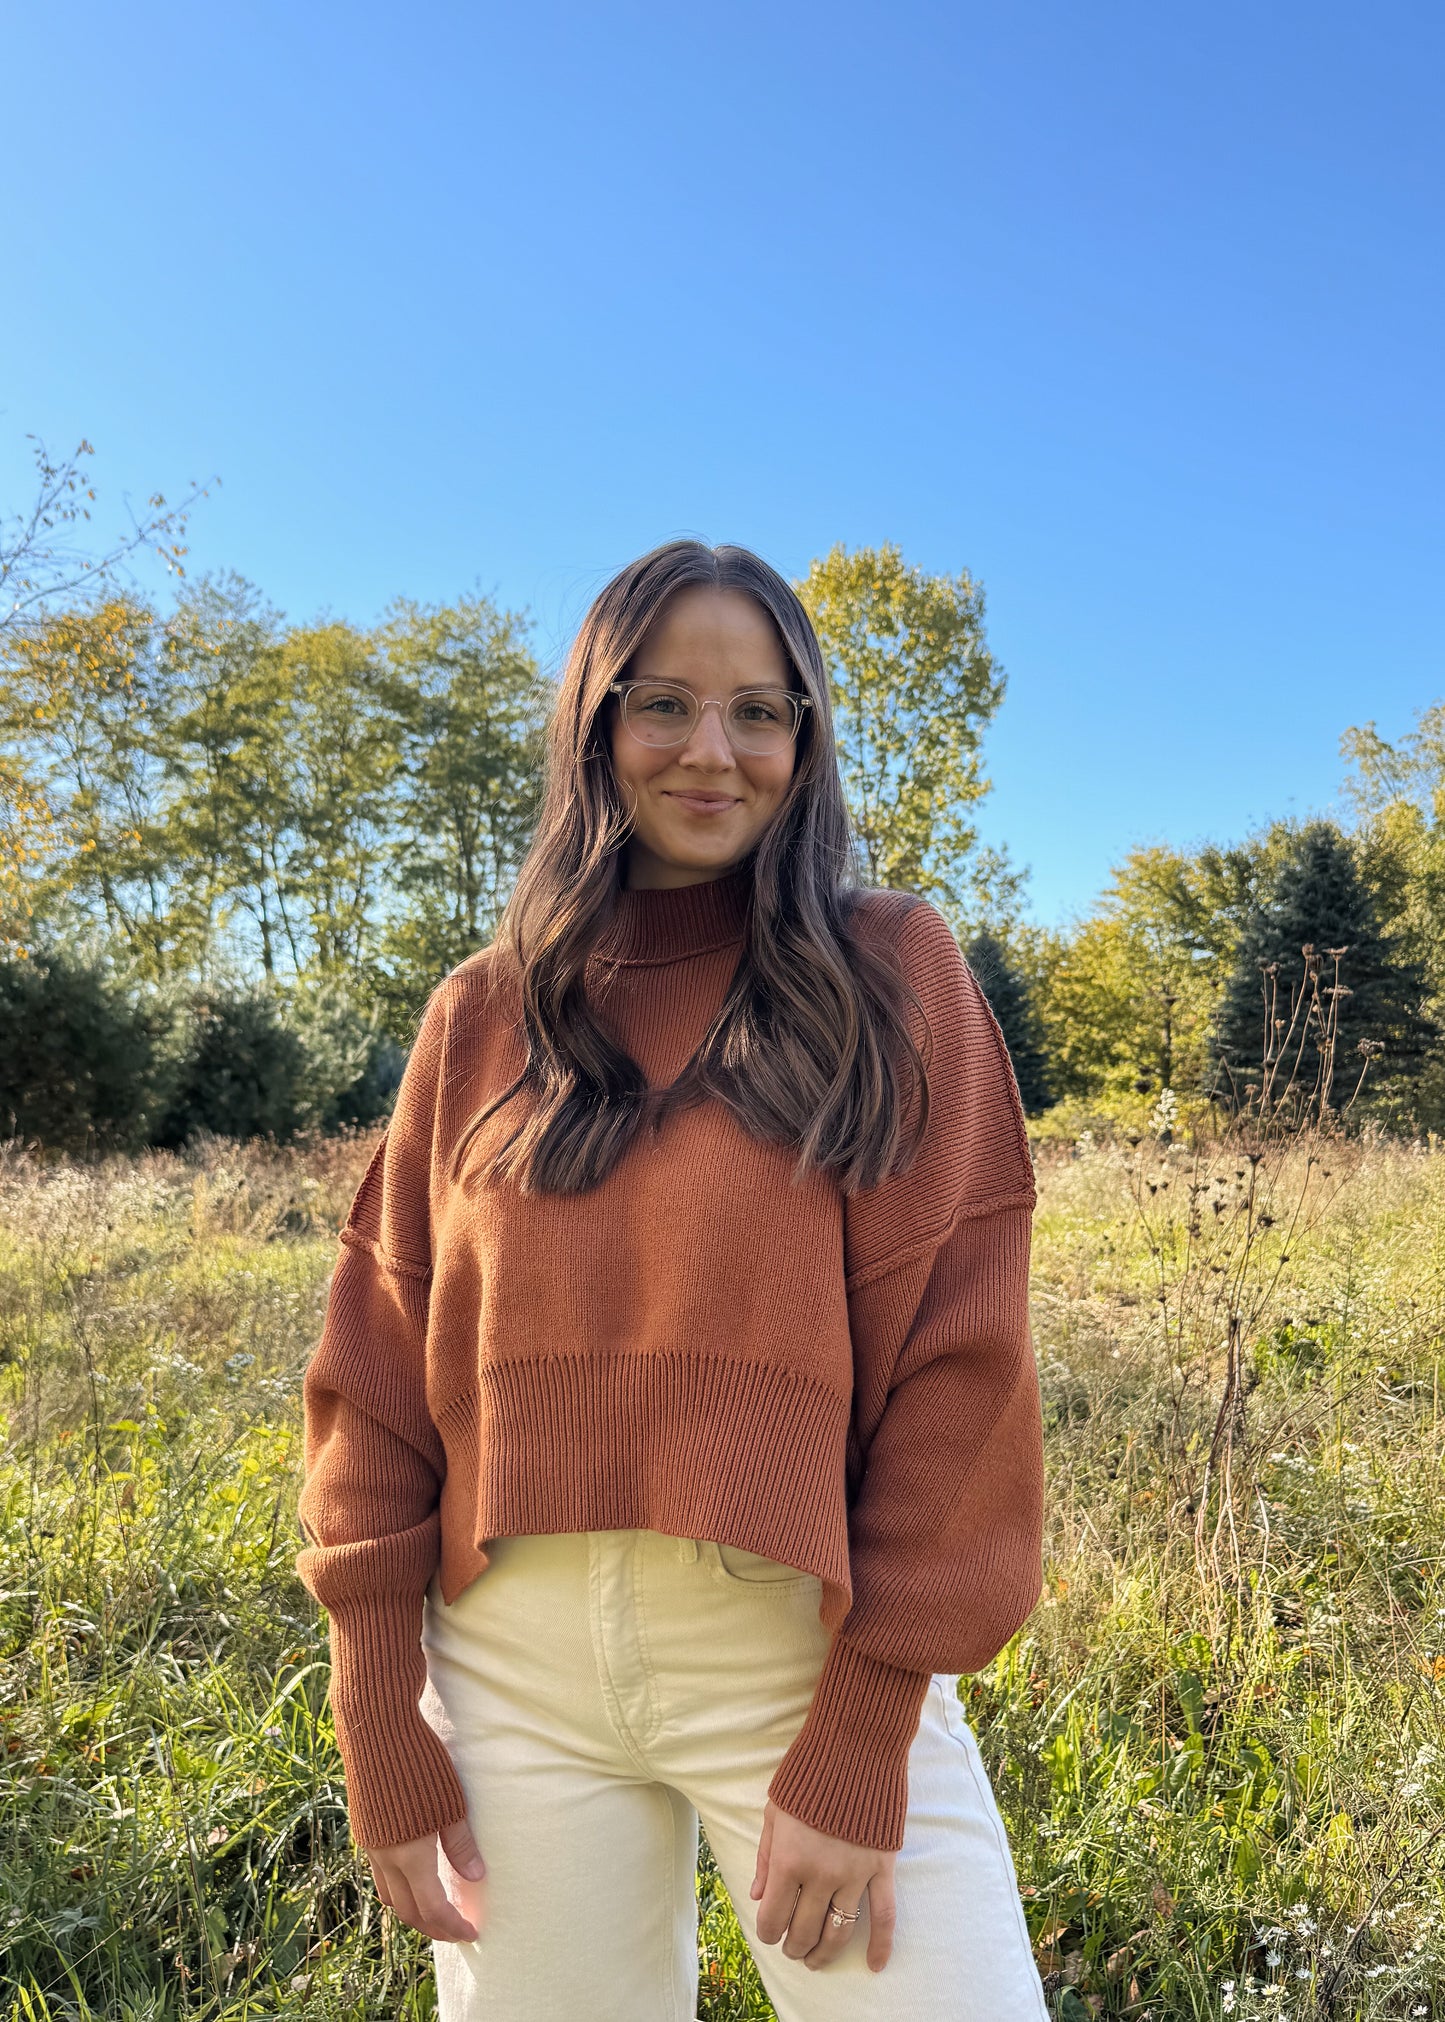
[(243, 1072), (82, 709), (340, 759), (471, 705), (1127, 996), (1399, 793), (913, 686), (1085, 994), (225, 791)]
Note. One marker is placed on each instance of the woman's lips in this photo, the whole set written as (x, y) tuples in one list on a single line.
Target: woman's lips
[(700, 804)]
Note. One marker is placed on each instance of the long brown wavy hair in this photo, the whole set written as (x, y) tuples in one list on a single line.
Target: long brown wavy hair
[(811, 1047)]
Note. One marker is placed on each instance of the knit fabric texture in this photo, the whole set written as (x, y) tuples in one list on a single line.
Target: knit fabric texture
[(697, 1346)]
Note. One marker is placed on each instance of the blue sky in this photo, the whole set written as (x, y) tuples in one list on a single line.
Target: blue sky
[(1133, 312)]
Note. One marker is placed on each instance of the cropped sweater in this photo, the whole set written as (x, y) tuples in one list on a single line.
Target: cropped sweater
[(843, 1382)]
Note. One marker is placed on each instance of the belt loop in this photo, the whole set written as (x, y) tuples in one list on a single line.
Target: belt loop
[(687, 1550)]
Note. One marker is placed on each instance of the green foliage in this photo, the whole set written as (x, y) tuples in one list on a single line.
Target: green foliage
[(353, 1065), (472, 705), (1126, 996), (242, 1072), (218, 792), (1011, 999), (1214, 1764), (1399, 791), (89, 1064), (1317, 903), (79, 1057), (220, 662), (913, 686)]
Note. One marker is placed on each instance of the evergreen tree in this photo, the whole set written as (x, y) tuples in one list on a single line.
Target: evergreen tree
[(1011, 1000), (1318, 901), (79, 1057), (243, 1073)]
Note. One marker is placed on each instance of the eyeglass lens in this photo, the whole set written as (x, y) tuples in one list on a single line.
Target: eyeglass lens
[(757, 719)]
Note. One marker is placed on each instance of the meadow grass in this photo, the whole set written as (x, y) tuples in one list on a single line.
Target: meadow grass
[(1217, 1743)]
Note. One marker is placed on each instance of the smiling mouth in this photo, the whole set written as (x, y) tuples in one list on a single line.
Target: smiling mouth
[(703, 799)]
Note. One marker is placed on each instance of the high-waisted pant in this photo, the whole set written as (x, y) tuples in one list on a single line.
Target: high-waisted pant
[(599, 1692)]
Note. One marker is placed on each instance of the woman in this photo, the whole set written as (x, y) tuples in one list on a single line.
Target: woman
[(673, 1440)]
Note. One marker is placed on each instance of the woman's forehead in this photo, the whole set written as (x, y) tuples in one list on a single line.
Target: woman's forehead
[(721, 633)]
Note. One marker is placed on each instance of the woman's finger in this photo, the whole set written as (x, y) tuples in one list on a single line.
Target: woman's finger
[(437, 1915), (777, 1905), (765, 1849), (400, 1900), (411, 1888), (835, 1937), (882, 1915), (462, 1850), (464, 1874), (805, 1926)]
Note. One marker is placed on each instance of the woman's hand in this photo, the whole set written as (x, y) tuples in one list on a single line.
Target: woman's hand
[(408, 1880), (794, 1857)]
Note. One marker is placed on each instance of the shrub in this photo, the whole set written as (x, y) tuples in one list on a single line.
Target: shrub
[(355, 1064), (243, 1073), (78, 1056)]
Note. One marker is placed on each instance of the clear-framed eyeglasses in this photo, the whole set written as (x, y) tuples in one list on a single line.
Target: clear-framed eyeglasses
[(758, 720)]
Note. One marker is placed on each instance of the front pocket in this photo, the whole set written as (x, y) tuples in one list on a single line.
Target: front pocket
[(741, 1568)]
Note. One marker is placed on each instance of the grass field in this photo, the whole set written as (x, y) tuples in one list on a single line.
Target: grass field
[(1219, 1742)]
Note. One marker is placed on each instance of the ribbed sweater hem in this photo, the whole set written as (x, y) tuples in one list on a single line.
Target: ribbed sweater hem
[(523, 1458)]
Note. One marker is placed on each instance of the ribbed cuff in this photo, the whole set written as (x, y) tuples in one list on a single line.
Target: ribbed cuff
[(400, 1781), (846, 1773)]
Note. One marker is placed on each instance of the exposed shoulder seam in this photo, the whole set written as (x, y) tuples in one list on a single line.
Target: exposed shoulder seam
[(970, 1211), (354, 1239)]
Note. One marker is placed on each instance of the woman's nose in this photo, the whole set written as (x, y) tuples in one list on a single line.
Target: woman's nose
[(709, 739)]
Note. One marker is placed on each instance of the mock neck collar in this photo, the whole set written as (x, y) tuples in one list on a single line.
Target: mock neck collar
[(668, 923)]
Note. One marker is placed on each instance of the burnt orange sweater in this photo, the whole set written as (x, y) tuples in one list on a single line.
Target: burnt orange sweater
[(845, 1383)]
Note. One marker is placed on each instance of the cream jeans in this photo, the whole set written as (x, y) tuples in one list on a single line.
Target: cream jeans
[(599, 1692)]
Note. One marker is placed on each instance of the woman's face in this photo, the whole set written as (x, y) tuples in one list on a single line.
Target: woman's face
[(715, 642)]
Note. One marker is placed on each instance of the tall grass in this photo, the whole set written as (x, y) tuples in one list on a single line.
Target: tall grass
[(1217, 1742)]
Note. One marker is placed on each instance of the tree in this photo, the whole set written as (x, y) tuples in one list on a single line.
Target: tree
[(224, 703), (1126, 998), (1011, 999), (42, 566), (1180, 918), (1399, 791), (80, 1058), (1318, 993), (28, 834), (80, 705), (472, 708), (342, 754), (243, 1073), (913, 686), (1084, 994)]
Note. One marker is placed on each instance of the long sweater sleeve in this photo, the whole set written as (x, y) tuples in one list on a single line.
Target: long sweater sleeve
[(945, 1530), (374, 1465)]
